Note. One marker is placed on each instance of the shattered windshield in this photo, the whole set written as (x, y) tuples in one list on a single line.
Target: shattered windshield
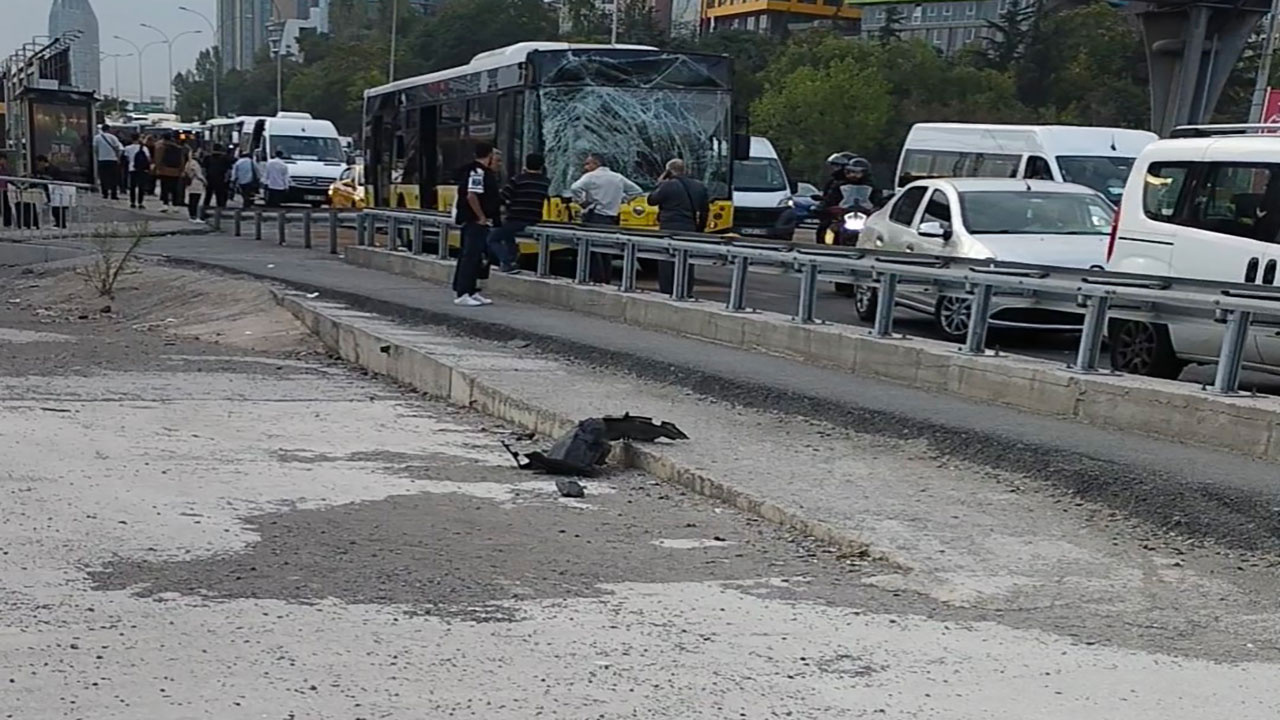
[(637, 110)]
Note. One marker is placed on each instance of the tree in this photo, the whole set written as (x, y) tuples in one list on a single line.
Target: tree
[(891, 28), (585, 20), (114, 106), (1011, 32), (461, 29)]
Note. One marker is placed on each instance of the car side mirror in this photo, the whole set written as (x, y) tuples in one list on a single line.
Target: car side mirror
[(934, 229), (793, 186)]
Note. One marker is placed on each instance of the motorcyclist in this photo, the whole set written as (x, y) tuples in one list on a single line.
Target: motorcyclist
[(832, 195), (858, 172)]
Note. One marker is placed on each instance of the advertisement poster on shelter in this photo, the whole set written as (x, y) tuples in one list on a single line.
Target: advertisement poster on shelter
[(63, 133)]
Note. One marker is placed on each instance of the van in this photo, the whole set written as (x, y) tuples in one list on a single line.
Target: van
[(311, 147), (1204, 204), (1096, 157), (762, 194)]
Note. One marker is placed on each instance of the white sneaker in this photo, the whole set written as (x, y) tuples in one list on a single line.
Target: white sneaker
[(467, 301), (482, 299)]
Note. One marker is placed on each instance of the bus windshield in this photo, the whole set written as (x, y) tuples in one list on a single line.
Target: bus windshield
[(637, 112)]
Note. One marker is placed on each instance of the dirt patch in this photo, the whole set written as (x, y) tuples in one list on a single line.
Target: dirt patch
[(174, 302)]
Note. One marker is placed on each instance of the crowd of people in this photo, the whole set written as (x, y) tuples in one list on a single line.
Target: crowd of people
[(491, 214), (184, 175)]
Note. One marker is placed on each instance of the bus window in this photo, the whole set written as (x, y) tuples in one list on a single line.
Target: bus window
[(482, 120)]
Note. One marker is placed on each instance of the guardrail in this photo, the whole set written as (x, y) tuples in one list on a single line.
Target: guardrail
[(1097, 295), (33, 207), (284, 218)]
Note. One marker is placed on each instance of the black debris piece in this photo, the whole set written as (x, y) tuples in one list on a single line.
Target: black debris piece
[(570, 488), (581, 451), (641, 428)]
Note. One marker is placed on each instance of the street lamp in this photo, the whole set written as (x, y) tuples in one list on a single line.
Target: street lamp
[(217, 54), (169, 41), (115, 57), (139, 51)]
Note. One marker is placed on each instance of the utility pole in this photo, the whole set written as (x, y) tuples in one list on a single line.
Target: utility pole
[(391, 64), (613, 32), (1264, 67), (216, 49)]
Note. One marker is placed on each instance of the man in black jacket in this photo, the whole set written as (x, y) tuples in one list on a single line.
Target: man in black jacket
[(524, 195), (217, 172), (684, 205), (477, 211)]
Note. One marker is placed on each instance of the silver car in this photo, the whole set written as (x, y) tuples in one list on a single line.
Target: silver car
[(1027, 221)]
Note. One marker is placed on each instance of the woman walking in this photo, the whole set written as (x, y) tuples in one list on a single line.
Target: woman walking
[(193, 177)]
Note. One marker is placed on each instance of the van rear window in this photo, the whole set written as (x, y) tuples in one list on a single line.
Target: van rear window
[(923, 164)]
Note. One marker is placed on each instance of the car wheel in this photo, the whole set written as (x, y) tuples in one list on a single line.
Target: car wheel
[(1142, 348), (952, 314), (865, 300)]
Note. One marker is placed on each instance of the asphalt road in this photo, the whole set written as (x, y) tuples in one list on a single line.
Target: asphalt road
[(203, 530)]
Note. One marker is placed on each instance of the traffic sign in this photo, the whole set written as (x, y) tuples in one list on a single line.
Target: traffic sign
[(1271, 107)]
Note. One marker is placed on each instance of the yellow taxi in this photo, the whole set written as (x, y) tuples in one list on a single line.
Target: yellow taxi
[(348, 190)]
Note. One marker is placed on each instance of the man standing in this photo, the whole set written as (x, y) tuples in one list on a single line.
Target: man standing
[(600, 192), (524, 196), (107, 151), (277, 180), (217, 172), (245, 175), (684, 205), (477, 212), (138, 159)]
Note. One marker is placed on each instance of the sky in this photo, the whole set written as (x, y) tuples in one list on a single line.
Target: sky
[(122, 17)]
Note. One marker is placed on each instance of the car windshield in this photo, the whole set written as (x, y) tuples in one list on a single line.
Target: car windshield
[(759, 175), (1107, 175), (304, 147), (1035, 213)]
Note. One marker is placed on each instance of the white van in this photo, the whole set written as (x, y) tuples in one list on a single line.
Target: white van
[(1206, 205), (311, 147), (762, 194), (1096, 157)]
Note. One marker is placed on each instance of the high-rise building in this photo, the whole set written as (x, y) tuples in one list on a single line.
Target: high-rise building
[(86, 65), (242, 27)]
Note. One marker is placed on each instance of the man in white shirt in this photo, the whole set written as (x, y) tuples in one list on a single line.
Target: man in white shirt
[(138, 161), (107, 150), (600, 193), (277, 177)]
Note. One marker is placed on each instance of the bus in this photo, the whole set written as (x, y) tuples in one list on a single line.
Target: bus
[(635, 106)]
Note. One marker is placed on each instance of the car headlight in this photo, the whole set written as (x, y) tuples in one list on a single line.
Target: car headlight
[(855, 221), (787, 202)]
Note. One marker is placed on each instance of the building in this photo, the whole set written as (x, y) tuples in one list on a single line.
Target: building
[(678, 17), (948, 26), (778, 16), (86, 65), (242, 27)]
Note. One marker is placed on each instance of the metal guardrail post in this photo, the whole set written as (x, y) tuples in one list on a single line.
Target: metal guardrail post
[(237, 221), (257, 223), (808, 293), (582, 275), (975, 343), (680, 286), (306, 228), (629, 263), (360, 221), (217, 219), (442, 242), (415, 243), (333, 231), (282, 219), (1227, 380), (544, 256), (885, 306), (371, 232), (738, 288), (1095, 324), (393, 232)]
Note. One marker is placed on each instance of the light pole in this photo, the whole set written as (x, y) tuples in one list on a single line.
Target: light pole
[(169, 41), (115, 57), (278, 28), (391, 65), (139, 51), (217, 54)]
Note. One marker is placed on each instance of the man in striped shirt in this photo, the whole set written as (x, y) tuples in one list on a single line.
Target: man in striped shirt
[(524, 196)]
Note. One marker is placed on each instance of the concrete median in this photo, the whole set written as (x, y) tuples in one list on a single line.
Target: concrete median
[(1168, 409)]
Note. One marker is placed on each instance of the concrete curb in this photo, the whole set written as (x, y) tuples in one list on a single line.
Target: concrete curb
[(1161, 408), (434, 376)]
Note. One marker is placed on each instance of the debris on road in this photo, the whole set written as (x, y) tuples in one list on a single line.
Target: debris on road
[(640, 427)]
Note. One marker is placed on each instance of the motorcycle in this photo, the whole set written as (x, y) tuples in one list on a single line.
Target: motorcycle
[(848, 220)]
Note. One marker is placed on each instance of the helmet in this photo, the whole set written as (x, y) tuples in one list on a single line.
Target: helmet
[(860, 164), (841, 159)]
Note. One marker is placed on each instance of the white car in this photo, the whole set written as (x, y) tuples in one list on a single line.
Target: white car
[(1204, 205), (1027, 221)]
